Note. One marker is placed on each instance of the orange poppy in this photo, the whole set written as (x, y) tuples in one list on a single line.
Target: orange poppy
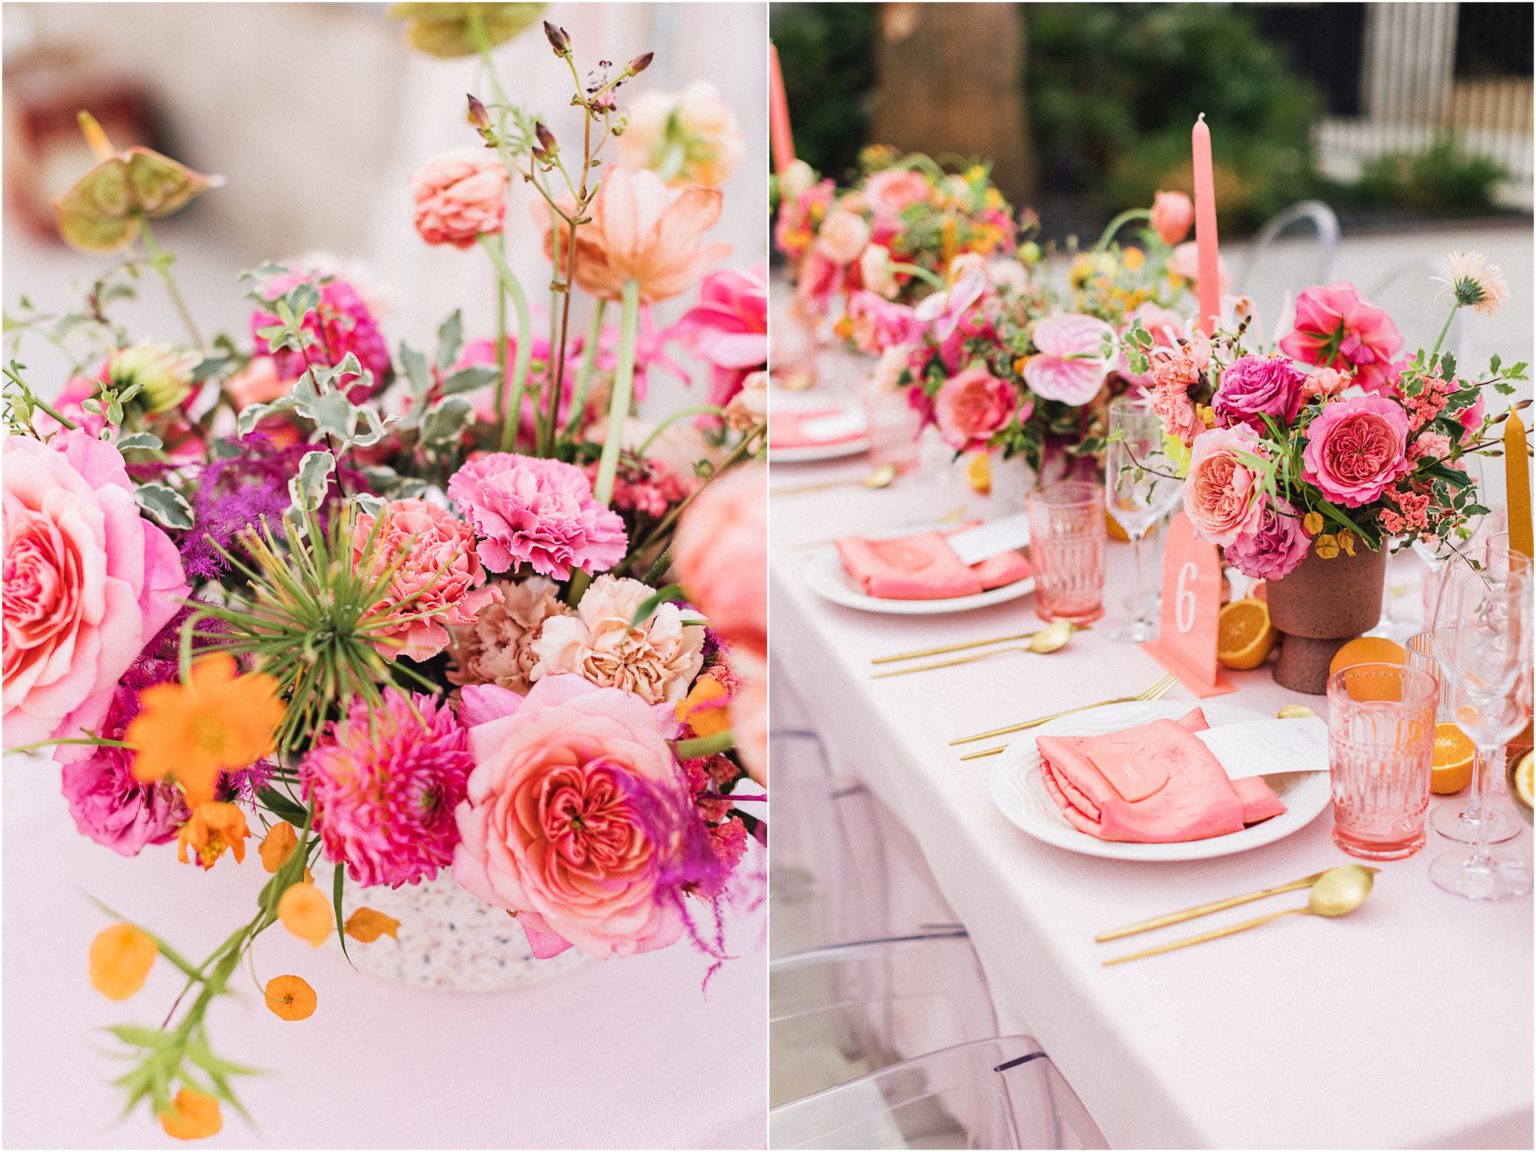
[(121, 957), (367, 926), (217, 721), (214, 827), (306, 913), (291, 997), (706, 707), (278, 845), (194, 1116)]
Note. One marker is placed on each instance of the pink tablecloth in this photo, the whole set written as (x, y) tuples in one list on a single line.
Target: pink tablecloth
[(623, 1054), (1406, 1025)]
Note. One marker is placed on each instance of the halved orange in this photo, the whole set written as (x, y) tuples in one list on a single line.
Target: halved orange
[(1523, 783), (1244, 635), (1454, 757), (1368, 650)]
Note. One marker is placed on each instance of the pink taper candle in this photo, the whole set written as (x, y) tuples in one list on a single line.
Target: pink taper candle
[(779, 134), (1209, 282)]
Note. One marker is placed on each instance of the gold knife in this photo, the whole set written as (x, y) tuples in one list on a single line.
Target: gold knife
[(1215, 906)]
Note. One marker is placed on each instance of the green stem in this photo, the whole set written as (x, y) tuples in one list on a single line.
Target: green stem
[(1118, 223), (20, 749), (680, 414), (704, 745), (623, 391), (1445, 330), (161, 261), (921, 273), (513, 415), (39, 402), (501, 339), (588, 363)]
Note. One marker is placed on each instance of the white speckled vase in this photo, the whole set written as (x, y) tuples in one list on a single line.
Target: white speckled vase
[(448, 939)]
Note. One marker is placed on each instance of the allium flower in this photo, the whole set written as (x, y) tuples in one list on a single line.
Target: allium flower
[(385, 783), (1274, 548), (341, 323), (537, 512), (640, 230), (1173, 213), (1076, 353), (728, 328), (687, 137), (655, 659), (1253, 387), (234, 493), (1335, 327), (497, 648), (437, 578), (1356, 447), (1474, 283), (460, 196)]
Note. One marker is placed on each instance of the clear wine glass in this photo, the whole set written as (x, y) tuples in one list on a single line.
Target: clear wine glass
[(1490, 663), (1434, 553), (1140, 488)]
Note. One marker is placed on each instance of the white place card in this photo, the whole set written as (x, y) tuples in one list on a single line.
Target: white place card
[(834, 425), (991, 539), (1266, 747)]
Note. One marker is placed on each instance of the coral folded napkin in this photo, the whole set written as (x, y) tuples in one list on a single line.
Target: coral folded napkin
[(815, 429), (924, 567), (1152, 784)]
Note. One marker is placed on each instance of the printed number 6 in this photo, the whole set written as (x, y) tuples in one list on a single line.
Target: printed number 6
[(1184, 609)]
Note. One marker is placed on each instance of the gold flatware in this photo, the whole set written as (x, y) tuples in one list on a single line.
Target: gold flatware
[(1052, 638), (1214, 906), (1337, 892), (1154, 691), (924, 652), (881, 477)]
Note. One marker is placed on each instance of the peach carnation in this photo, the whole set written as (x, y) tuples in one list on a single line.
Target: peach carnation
[(460, 196), (497, 647)]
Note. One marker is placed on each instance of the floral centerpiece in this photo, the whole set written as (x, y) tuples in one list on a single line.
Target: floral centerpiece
[(403, 612), (1308, 461)]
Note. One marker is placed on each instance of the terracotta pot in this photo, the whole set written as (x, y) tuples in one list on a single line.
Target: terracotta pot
[(1319, 608)]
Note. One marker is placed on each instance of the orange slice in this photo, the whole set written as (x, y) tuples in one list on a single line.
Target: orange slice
[(1523, 785), (1244, 635), (1454, 757), (1114, 528)]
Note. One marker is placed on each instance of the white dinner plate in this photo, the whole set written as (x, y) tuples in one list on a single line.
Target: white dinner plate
[(815, 453), (825, 575), (1018, 789)]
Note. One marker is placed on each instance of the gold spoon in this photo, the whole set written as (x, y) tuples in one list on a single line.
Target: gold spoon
[(1052, 638), (1337, 892), (948, 648), (878, 478)]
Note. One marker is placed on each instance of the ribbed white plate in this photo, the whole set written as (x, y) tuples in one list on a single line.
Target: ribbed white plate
[(1018, 788)]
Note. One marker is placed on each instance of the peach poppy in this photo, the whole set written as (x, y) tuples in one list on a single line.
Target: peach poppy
[(121, 957), (214, 828), (290, 998), (278, 845), (194, 1116), (306, 913), (640, 230)]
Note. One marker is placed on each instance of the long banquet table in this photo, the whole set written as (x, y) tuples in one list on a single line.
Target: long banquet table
[(1405, 1025)]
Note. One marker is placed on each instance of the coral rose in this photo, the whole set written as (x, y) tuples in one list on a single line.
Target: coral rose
[(1173, 214), (460, 196), (973, 406), (1221, 492), (721, 554), (1356, 448), (88, 583)]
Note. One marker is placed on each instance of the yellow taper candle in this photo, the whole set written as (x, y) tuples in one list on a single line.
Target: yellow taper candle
[(1517, 481)]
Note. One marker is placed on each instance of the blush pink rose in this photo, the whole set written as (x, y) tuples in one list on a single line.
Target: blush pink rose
[(842, 237), (460, 196), (1221, 492), (972, 407), (721, 554), (575, 817), (1335, 328), (893, 191), (1173, 214), (1356, 448), (88, 582)]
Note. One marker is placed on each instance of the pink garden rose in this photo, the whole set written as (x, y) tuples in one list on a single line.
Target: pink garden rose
[(576, 817), (1173, 214), (973, 406), (437, 570), (721, 553), (1336, 328), (460, 196), (88, 582), (842, 237), (537, 512), (728, 328), (1221, 493), (1274, 548), (1356, 448), (893, 191), (1074, 357), (1253, 387)]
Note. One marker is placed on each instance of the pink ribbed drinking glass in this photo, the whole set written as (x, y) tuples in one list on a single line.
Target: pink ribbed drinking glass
[(1381, 742), (1066, 550)]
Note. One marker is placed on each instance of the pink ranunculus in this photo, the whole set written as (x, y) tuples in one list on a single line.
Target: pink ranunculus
[(576, 818), (538, 512), (1274, 548), (460, 196), (728, 328), (1324, 382), (88, 582), (842, 237), (1164, 325), (1221, 492), (1076, 353), (972, 407), (893, 191), (1173, 214), (877, 323), (436, 570), (721, 554), (1334, 328), (1253, 387), (1356, 448)]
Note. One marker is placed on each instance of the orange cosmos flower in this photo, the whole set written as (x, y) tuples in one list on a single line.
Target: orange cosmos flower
[(217, 721), (306, 913), (640, 230), (291, 997), (194, 1116), (214, 827), (121, 957)]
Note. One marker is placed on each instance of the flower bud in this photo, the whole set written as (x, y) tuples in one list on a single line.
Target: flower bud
[(478, 116), (640, 63), (558, 39), (547, 139)]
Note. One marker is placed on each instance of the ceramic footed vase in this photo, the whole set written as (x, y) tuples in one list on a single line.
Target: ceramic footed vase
[(1319, 608)]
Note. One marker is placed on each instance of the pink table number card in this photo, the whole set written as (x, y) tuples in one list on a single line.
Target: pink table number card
[(1186, 641)]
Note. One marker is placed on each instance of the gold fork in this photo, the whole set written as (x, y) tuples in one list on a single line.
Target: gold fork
[(1154, 691)]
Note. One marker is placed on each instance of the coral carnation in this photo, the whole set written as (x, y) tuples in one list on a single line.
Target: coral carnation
[(460, 196)]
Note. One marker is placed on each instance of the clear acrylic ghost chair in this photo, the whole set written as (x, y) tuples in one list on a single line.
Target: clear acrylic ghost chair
[(999, 1093), (836, 1014), (1325, 225)]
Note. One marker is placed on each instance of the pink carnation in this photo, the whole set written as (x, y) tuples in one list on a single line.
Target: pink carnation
[(88, 582), (1274, 548), (1356, 448), (341, 323), (385, 783), (1221, 492), (972, 407), (537, 512), (460, 196), (1334, 325), (1174, 372), (437, 572)]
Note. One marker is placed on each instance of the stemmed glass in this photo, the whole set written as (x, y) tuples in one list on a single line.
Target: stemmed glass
[(1140, 488), (1491, 661)]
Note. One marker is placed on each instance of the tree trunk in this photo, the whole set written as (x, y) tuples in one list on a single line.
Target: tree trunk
[(950, 80)]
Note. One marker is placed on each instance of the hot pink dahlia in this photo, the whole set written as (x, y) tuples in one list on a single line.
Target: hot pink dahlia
[(537, 512), (341, 323), (385, 783)]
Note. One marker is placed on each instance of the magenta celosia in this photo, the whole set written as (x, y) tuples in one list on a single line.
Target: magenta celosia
[(384, 783)]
